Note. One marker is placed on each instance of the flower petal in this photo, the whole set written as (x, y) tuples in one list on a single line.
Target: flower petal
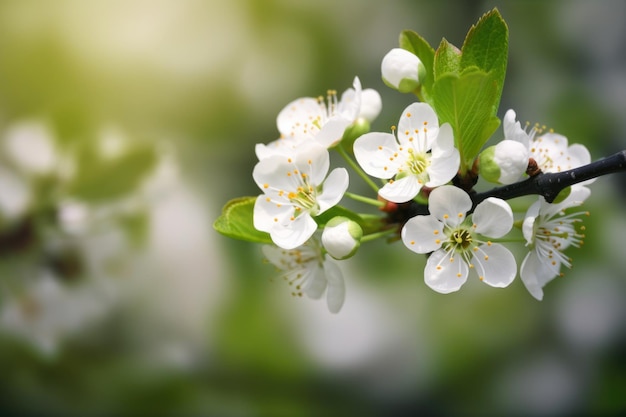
[(332, 131), (445, 274), (294, 233), (419, 122), (371, 104), (314, 281), (297, 119), (336, 291), (495, 265), (443, 168), (447, 202), (423, 234), (375, 154), (535, 274), (313, 160), (335, 187), (267, 214), (402, 190), (350, 103), (493, 217)]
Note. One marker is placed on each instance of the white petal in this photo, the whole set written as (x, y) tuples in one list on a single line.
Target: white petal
[(313, 160), (296, 118), (272, 172), (315, 281), (493, 217), (528, 227), (350, 103), (31, 146), (445, 274), (335, 187), (402, 190), (447, 202), (332, 131), (399, 64), (418, 121), (443, 168), (295, 233), (423, 234), (495, 264), (336, 292), (371, 104), (512, 159), (535, 274), (444, 145), (513, 130), (373, 152), (267, 214)]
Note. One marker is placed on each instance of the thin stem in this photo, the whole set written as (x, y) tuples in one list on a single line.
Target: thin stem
[(357, 168), (366, 200), (377, 235)]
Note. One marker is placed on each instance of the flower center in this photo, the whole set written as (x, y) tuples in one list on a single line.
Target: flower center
[(417, 162), (305, 197), (459, 240)]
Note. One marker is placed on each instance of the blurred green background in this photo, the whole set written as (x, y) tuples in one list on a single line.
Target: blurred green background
[(197, 327)]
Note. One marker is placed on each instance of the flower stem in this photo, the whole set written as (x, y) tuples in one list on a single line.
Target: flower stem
[(357, 168), (377, 235), (362, 199)]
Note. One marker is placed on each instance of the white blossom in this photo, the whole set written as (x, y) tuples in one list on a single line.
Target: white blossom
[(422, 155), (309, 272), (457, 241), (548, 231), (296, 189), (313, 119)]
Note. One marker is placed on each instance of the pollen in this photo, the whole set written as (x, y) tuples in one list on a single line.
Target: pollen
[(425, 123), (289, 160), (412, 242), (437, 241), (408, 115), (438, 267), (380, 148), (459, 274), (460, 215), (266, 185), (486, 258), (268, 199), (309, 162), (275, 219), (445, 216), (481, 278), (436, 232), (489, 243)]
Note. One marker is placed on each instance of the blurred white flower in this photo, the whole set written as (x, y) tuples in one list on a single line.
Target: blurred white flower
[(309, 272)]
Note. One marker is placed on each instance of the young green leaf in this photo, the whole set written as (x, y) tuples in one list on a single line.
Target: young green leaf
[(447, 60), (467, 103), (414, 43), (486, 47), (236, 221)]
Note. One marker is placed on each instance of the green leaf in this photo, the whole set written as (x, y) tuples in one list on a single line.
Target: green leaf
[(486, 47), (100, 179), (467, 102), (414, 43), (236, 221), (447, 60)]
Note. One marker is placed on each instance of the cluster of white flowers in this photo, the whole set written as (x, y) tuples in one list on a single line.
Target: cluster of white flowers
[(416, 163)]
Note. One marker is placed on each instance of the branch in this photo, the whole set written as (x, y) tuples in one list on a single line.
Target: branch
[(548, 185)]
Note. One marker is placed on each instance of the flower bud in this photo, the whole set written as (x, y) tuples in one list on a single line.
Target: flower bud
[(504, 163), (400, 70), (341, 237)]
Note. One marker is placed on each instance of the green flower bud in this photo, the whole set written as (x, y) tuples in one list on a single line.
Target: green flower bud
[(400, 70), (504, 163), (341, 237)]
